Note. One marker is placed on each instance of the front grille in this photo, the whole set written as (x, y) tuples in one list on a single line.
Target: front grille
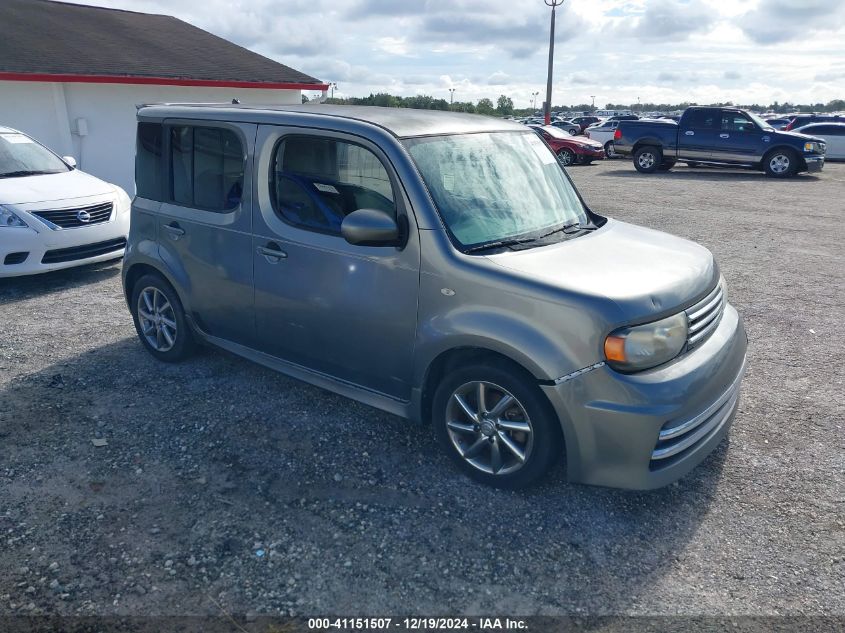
[(677, 438), (76, 217), (704, 316), (83, 252), (15, 258)]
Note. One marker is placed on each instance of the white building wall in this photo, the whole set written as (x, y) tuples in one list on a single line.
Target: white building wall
[(50, 112)]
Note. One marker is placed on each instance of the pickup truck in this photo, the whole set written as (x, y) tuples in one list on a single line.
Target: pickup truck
[(726, 137)]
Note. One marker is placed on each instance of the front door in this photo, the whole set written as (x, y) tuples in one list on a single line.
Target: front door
[(739, 140), (346, 311), (697, 134), (204, 225)]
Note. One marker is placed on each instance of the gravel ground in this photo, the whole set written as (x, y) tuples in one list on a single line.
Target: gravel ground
[(223, 485)]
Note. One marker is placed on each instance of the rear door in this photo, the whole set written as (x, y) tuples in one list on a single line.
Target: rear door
[(697, 133), (740, 140), (204, 223)]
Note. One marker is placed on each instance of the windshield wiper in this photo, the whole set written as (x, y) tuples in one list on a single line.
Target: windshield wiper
[(499, 244), (567, 229), (24, 172)]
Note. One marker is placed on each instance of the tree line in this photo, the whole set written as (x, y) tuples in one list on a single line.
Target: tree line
[(504, 105)]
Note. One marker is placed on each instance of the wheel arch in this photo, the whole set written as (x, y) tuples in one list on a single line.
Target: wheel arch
[(802, 164), (647, 142)]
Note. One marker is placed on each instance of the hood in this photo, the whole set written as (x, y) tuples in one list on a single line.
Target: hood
[(790, 134), (586, 142), (50, 187), (644, 272)]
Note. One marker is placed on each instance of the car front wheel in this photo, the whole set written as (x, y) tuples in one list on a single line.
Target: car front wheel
[(567, 157), (780, 164), (160, 319), (496, 425)]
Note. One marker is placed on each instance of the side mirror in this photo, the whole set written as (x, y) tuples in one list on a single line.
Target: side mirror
[(70, 160), (370, 227)]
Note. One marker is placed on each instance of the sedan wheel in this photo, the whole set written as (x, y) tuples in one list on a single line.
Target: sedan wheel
[(609, 152), (489, 428), (566, 157)]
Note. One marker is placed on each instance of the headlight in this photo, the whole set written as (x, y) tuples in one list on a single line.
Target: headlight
[(8, 218), (124, 203), (812, 146), (648, 345)]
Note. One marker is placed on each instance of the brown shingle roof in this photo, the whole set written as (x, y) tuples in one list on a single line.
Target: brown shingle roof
[(42, 37)]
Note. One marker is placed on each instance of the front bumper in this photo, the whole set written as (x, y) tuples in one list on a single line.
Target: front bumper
[(612, 421), (591, 152), (814, 163), (25, 248)]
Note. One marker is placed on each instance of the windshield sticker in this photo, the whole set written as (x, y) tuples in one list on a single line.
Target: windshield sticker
[(16, 138), (325, 188), (541, 150), (449, 182)]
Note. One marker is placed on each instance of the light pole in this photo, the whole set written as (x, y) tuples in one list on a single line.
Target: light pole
[(333, 85), (593, 97), (534, 101), (548, 107), (451, 97)]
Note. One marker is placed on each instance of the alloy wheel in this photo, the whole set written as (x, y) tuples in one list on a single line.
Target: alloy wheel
[(157, 319), (489, 428), (566, 157), (646, 160)]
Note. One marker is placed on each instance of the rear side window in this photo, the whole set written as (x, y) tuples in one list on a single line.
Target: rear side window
[(316, 182), (704, 120), (148, 167), (206, 168)]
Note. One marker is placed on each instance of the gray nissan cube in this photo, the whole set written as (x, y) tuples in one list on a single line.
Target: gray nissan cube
[(441, 267)]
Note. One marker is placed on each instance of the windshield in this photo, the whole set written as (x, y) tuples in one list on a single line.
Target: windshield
[(760, 122), (495, 187), (21, 156), (556, 132)]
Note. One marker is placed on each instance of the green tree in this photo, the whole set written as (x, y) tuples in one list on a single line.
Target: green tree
[(485, 106), (504, 105)]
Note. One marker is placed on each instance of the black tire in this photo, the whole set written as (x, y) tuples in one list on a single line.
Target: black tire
[(780, 163), (567, 157), (666, 165), (647, 159), (693, 164), (183, 344), (543, 445), (608, 150)]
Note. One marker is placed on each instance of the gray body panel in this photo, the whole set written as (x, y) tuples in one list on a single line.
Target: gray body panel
[(370, 322)]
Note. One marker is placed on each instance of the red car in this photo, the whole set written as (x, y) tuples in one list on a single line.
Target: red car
[(570, 150)]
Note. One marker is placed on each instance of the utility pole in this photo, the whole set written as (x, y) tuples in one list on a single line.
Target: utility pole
[(534, 100), (333, 85), (451, 97), (548, 107), (593, 97)]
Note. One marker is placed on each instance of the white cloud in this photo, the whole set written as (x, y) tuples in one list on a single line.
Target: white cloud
[(617, 50)]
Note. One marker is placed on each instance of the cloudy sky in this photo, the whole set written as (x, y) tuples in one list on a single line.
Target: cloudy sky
[(618, 50)]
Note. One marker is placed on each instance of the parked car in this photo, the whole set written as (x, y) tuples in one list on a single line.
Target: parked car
[(462, 281), (778, 123), (727, 137), (603, 133), (568, 126), (801, 120), (570, 150), (833, 134), (585, 121), (624, 117), (53, 215)]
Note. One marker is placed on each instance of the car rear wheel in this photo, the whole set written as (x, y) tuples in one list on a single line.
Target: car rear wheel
[(609, 152), (160, 319), (566, 157), (780, 164), (648, 159), (496, 425)]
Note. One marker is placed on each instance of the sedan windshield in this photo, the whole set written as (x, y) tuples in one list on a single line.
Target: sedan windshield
[(496, 187), (21, 156)]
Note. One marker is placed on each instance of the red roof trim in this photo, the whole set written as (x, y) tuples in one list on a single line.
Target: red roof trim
[(158, 81)]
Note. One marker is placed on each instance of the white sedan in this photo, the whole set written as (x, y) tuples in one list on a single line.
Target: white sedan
[(833, 134), (52, 215), (603, 133)]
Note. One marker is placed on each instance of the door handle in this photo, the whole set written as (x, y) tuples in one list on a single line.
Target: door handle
[(272, 253), (175, 230), (724, 135), (689, 133)]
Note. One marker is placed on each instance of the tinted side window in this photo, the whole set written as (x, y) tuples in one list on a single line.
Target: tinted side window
[(735, 122), (703, 120), (316, 182), (206, 168), (148, 167)]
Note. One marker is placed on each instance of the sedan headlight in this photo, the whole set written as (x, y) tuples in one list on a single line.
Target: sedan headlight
[(8, 218), (644, 346)]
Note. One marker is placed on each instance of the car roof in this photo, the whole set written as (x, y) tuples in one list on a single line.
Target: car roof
[(8, 130), (824, 124), (401, 122)]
